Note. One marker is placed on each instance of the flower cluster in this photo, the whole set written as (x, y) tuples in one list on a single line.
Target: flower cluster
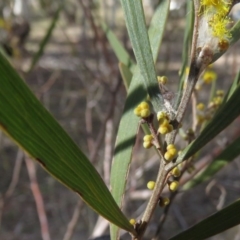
[(171, 153), (142, 110), (164, 123), (205, 113), (208, 77), (214, 23), (147, 141)]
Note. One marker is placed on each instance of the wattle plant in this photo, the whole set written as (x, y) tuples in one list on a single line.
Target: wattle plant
[(209, 33)]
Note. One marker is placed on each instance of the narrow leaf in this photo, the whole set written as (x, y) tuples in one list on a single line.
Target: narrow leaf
[(228, 155), (234, 85), (126, 74), (188, 32), (46, 39), (129, 122), (117, 47), (218, 222), (30, 125), (135, 21)]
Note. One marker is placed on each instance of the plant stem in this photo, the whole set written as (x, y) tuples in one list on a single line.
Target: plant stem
[(162, 174), (194, 73)]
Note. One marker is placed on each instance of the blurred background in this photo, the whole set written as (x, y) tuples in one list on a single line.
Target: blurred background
[(65, 58)]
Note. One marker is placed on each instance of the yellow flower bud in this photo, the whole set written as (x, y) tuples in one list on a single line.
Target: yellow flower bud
[(148, 138), (147, 144), (163, 79), (164, 122), (176, 172), (163, 130), (145, 113), (200, 106), (151, 185), (132, 221), (161, 115), (173, 186), (198, 87), (164, 201), (172, 151), (144, 105), (171, 146), (137, 111), (168, 156), (220, 93), (209, 76)]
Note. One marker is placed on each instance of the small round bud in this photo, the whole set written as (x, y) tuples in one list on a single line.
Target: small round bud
[(172, 151), (198, 87), (163, 130), (173, 186), (151, 185), (164, 201), (132, 221), (147, 138), (209, 76), (147, 144), (176, 172), (200, 106), (144, 105), (168, 157), (171, 146), (164, 122), (223, 45), (145, 113), (137, 111), (161, 115), (163, 79), (220, 93)]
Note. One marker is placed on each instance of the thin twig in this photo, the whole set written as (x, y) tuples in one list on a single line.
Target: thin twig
[(38, 198), (14, 181), (160, 182), (73, 222), (194, 73), (108, 115), (164, 215)]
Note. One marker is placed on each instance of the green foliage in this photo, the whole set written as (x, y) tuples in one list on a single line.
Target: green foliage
[(218, 222), (30, 125)]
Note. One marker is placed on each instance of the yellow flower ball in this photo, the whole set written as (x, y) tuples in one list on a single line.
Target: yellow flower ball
[(200, 106), (144, 105), (171, 146), (168, 156), (220, 93), (145, 113), (164, 201), (161, 115), (162, 79), (163, 130), (132, 221), (151, 185), (137, 111), (148, 137), (147, 144), (173, 186), (176, 172), (172, 151), (209, 77)]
